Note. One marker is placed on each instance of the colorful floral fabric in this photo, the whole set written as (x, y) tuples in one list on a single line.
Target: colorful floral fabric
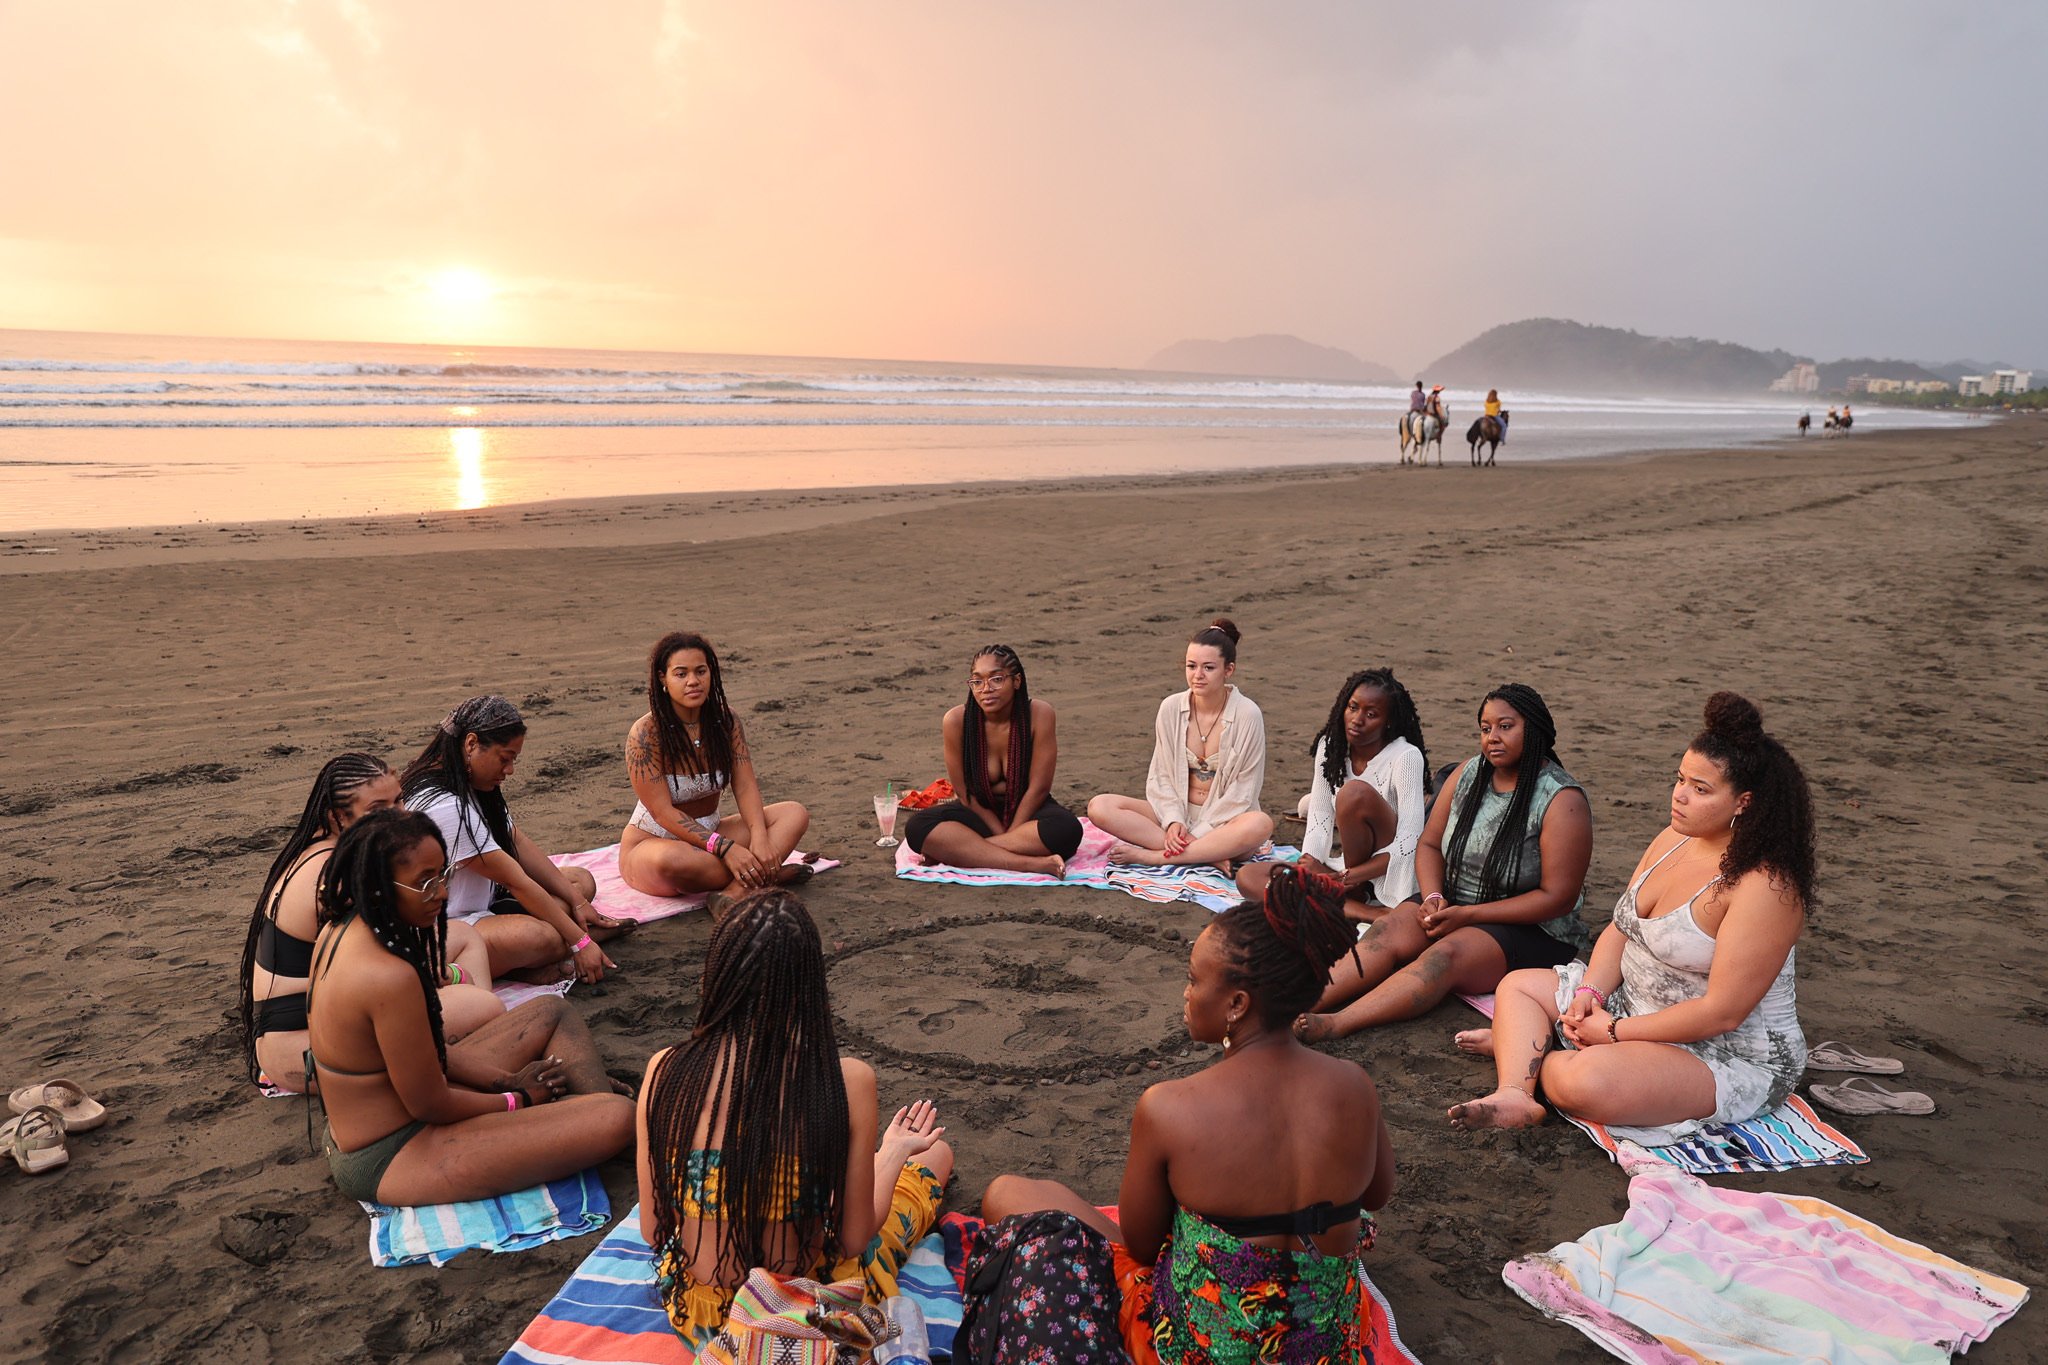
[(1041, 1291), (1217, 1300)]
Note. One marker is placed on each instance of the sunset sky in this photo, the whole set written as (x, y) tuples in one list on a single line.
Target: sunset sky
[(1074, 183)]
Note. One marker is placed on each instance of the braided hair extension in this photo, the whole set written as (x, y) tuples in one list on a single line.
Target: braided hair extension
[(974, 740), (339, 779), (440, 766), (357, 883), (717, 730), (1775, 832), (760, 1074), (1402, 723), (1504, 859), (1280, 950)]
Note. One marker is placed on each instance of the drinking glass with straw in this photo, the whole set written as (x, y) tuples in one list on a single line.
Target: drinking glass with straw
[(885, 816)]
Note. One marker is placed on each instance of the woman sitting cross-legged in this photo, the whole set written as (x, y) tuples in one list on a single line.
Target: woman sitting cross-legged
[(278, 953), (757, 1139), (532, 914), (1246, 1184), (1687, 1013), (682, 756), (1366, 801), (1502, 868), (1208, 770), (411, 1118), (1001, 748)]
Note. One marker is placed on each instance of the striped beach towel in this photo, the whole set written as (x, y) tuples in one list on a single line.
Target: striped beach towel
[(1696, 1272), (436, 1234), (1790, 1136), (610, 1313), (1090, 867)]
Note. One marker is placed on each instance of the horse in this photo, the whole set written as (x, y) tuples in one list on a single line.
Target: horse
[(1805, 422), (1421, 429), (1489, 432)]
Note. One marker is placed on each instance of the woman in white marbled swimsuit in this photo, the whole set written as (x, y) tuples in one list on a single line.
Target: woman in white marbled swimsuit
[(1686, 1015)]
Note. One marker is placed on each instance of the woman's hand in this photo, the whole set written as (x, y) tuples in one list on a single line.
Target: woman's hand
[(590, 963), (1575, 1013), (1592, 1028), (911, 1133), (1440, 917), (1355, 877), (540, 1081), (1177, 839), (747, 867)]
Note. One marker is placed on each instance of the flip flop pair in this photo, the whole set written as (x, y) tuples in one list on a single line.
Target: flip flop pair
[(36, 1139), (79, 1111), (1861, 1096), (1841, 1057)]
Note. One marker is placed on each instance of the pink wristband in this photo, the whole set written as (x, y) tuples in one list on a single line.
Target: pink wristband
[(579, 945), (1588, 990), (511, 1101), (711, 843)]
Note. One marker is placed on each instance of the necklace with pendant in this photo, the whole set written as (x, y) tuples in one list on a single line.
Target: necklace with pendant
[(1202, 761)]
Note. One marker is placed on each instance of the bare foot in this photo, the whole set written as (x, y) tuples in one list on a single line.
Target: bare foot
[(1506, 1107), (603, 928), (1315, 1028), (1121, 852), (1051, 865), (793, 874), (1477, 1042)]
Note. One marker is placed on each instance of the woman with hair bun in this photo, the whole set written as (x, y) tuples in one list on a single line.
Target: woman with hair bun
[(1247, 1184), (1686, 1014), (1502, 871), (1201, 802), (1001, 749)]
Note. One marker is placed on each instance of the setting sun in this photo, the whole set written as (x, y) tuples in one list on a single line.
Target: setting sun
[(458, 284)]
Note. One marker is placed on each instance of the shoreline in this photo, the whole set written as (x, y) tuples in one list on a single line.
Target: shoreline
[(661, 519)]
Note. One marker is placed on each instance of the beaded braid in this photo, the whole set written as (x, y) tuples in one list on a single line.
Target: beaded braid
[(440, 767), (1402, 723), (1280, 950), (339, 779), (759, 1076), (357, 883), (1504, 859), (718, 731), (974, 741)]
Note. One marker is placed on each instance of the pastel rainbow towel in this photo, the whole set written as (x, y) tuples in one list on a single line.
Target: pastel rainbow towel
[(435, 1234), (1695, 1273), (1090, 867)]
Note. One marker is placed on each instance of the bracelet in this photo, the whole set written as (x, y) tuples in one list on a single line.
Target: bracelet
[(711, 843), (1588, 990), (579, 945), (454, 974), (1612, 1025), (513, 1100), (1432, 896)]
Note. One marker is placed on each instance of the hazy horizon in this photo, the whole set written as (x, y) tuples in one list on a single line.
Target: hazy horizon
[(1066, 186)]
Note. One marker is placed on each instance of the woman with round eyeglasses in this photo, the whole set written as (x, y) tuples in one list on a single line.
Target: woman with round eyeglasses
[(412, 1118), (1001, 748), (278, 951), (1208, 770)]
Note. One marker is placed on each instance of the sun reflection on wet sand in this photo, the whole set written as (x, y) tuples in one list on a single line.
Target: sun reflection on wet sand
[(466, 445)]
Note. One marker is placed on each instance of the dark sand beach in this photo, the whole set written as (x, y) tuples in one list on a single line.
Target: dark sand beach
[(167, 697)]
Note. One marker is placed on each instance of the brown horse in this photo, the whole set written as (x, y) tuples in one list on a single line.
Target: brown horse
[(1488, 432), (1805, 422)]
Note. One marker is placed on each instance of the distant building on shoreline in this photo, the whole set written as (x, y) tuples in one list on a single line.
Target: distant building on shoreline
[(1801, 378), (1870, 383), (1999, 383)]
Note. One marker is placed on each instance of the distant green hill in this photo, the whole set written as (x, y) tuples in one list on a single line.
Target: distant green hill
[(1272, 356), (1571, 357)]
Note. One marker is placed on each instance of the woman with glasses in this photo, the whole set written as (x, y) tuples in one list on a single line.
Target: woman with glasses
[(1201, 801), (411, 1118), (1001, 746), (683, 756), (278, 952)]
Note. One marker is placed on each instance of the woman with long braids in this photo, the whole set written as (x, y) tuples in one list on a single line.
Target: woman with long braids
[(1366, 801), (757, 1140), (682, 756), (278, 952), (532, 915), (1242, 1213), (1208, 769), (411, 1118), (1502, 870), (1001, 748), (1687, 1013)]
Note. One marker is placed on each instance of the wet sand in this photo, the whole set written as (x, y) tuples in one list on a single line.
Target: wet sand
[(167, 698)]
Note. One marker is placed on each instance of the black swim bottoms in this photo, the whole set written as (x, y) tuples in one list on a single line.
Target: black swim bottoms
[(1526, 945), (1058, 829)]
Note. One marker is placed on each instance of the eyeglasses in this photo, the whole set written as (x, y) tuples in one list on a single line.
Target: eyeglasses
[(977, 683), (432, 886)]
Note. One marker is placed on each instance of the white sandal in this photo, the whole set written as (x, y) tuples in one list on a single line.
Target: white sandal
[(1842, 1057), (1862, 1096)]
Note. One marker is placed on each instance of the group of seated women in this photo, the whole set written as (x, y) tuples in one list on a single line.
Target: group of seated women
[(398, 898)]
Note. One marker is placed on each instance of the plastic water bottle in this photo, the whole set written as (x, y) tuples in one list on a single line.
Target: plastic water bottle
[(911, 1346)]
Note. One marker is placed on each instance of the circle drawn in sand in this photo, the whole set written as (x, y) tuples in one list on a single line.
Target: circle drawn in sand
[(1014, 997)]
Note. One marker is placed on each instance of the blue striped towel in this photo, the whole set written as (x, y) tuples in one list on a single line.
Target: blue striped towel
[(438, 1233), (1790, 1136)]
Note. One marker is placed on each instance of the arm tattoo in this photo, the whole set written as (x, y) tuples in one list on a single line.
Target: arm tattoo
[(643, 756)]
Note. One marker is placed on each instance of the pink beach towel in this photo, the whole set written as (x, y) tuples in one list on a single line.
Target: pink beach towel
[(621, 901)]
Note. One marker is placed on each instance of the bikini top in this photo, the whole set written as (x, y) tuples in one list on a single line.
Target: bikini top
[(694, 786), (278, 951), (1312, 1221), (790, 1197), (327, 960)]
